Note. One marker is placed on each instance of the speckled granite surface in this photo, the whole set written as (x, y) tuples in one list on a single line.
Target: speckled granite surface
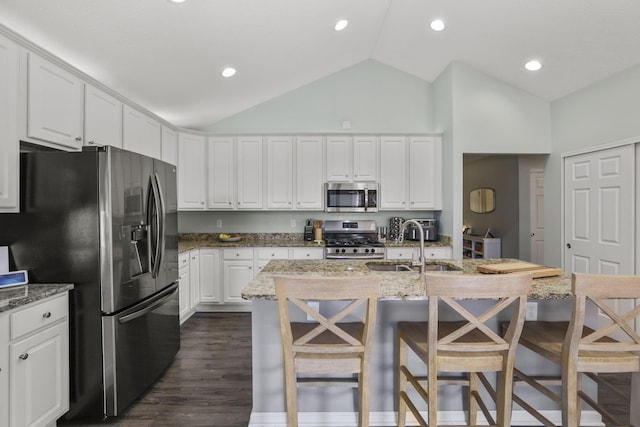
[(188, 241), (18, 296), (395, 285)]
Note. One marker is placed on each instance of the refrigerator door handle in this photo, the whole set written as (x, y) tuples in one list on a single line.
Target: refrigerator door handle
[(158, 301), (156, 226), (162, 214)]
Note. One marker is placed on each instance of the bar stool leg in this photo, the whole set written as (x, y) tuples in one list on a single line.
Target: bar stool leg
[(432, 381), (291, 391), (402, 381), (570, 400), (363, 392), (473, 403)]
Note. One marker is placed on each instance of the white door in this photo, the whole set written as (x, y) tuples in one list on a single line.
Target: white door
[(169, 145), (393, 173), (365, 158), (536, 206), (599, 214), (191, 172), (221, 172), (309, 172), (210, 275), (102, 118), (425, 172), (236, 276), (339, 160), (55, 104), (140, 133), (279, 172), (9, 157), (249, 170)]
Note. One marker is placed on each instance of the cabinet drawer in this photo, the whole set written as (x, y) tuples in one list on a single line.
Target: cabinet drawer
[(437, 253), (231, 254), (39, 315), (275, 253), (183, 260), (401, 253), (303, 253)]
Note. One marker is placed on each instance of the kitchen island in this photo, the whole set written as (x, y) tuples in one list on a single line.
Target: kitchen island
[(402, 298)]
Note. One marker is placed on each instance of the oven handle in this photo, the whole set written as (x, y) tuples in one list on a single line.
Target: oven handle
[(381, 256), (151, 305)]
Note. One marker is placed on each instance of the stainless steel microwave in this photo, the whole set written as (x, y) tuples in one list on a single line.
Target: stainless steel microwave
[(351, 197)]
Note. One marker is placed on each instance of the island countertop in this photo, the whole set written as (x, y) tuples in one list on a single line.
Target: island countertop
[(18, 296), (395, 285)]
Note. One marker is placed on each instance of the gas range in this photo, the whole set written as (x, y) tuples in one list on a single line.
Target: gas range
[(349, 239)]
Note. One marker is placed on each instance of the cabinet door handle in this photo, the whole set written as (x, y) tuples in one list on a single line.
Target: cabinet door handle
[(78, 138), (47, 315), (23, 356)]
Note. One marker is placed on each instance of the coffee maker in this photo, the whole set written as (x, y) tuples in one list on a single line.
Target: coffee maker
[(308, 230)]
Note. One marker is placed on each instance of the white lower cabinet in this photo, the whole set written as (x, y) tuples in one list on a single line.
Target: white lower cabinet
[(210, 276), (237, 272), (184, 285), (34, 363), (411, 252), (307, 253)]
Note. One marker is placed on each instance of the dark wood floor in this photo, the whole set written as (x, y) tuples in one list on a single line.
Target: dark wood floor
[(209, 382)]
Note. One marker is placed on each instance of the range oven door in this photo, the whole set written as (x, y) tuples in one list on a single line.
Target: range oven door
[(139, 344), (351, 197)]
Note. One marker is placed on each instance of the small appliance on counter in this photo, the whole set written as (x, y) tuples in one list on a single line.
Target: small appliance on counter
[(429, 226), (308, 230), (395, 224)]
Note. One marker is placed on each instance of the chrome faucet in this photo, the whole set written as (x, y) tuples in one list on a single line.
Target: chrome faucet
[(417, 224)]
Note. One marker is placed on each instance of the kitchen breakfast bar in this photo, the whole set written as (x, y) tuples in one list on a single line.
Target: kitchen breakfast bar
[(402, 299)]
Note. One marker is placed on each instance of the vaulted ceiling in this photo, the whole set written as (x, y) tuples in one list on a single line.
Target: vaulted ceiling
[(168, 57)]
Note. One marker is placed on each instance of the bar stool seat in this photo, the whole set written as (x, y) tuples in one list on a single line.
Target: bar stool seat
[(463, 346), (326, 347), (579, 349)]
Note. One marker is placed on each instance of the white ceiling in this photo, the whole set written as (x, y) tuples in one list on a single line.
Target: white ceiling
[(168, 57)]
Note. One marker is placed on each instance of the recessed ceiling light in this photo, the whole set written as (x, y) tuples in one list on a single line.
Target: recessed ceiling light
[(177, 1), (228, 72), (341, 25), (437, 25), (533, 65)]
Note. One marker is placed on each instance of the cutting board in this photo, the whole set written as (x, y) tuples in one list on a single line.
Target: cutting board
[(511, 267)]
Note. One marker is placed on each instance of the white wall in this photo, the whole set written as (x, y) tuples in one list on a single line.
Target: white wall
[(489, 116), (372, 96), (603, 113)]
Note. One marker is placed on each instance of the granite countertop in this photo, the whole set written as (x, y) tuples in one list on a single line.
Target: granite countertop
[(188, 241), (395, 285), (18, 296)]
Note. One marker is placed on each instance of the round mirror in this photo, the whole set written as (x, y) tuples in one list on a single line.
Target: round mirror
[(482, 200)]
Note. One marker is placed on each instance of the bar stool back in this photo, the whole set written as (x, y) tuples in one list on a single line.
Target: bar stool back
[(469, 345), (325, 345), (580, 349)]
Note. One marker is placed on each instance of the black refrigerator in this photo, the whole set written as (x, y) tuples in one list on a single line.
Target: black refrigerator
[(104, 219)]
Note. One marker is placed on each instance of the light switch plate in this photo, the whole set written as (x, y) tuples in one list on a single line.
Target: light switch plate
[(4, 259)]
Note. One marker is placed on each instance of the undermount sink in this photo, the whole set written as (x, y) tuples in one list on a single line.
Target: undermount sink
[(384, 266)]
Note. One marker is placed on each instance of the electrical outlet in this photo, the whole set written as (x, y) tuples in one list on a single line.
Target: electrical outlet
[(531, 311), (293, 223), (219, 223)]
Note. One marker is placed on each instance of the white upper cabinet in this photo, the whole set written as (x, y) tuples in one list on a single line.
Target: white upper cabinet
[(54, 105), (249, 172), (192, 176), (221, 172), (352, 159), (425, 172), (141, 133), (393, 175), (9, 145), (279, 172), (169, 145), (309, 180), (365, 158), (339, 161), (102, 118)]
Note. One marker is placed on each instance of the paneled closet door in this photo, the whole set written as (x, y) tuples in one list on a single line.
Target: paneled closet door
[(599, 215), (599, 202)]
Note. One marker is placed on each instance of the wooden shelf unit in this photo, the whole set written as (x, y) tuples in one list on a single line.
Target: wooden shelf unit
[(481, 247)]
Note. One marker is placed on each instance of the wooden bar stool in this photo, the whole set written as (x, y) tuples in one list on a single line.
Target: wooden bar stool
[(326, 345), (613, 346), (468, 346)]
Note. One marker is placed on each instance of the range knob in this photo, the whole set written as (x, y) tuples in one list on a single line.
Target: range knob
[(343, 250), (366, 250), (355, 250)]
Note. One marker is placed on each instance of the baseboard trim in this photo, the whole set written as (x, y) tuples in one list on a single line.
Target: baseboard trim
[(388, 418)]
